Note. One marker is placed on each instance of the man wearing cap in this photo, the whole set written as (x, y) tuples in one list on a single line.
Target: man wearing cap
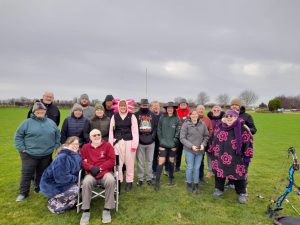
[(183, 113), (236, 104), (88, 111), (147, 132), (205, 119), (107, 104), (100, 121), (52, 112), (35, 139)]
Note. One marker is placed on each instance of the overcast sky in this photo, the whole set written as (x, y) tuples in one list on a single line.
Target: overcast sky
[(104, 47)]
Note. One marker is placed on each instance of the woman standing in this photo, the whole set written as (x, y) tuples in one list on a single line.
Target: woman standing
[(194, 136), (76, 125), (36, 138), (100, 121), (168, 135), (59, 181), (124, 136), (231, 151)]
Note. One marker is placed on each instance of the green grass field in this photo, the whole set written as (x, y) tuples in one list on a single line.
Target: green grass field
[(171, 205)]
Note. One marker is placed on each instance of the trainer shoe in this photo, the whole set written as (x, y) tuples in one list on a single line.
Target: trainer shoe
[(217, 193), (229, 186), (106, 217), (149, 182), (242, 198), (139, 183), (85, 218), (20, 198)]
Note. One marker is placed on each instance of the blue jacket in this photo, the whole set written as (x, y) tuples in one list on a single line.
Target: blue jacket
[(37, 137), (61, 174), (78, 127)]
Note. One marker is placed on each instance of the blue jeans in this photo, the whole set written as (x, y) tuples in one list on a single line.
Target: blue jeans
[(193, 163)]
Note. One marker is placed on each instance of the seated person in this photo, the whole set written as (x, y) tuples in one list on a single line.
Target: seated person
[(98, 160), (59, 181)]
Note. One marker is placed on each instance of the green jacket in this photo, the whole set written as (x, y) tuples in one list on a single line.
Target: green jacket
[(168, 131), (37, 137)]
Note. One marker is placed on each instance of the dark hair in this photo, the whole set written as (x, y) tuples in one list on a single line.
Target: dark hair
[(174, 112)]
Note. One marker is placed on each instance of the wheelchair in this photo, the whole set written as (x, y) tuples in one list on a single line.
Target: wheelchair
[(99, 190)]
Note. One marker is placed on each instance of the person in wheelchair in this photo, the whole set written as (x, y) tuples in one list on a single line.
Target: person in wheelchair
[(98, 160)]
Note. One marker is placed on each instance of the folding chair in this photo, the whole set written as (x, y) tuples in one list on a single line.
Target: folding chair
[(99, 190)]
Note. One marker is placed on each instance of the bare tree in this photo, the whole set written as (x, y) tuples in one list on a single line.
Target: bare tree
[(248, 97), (223, 99), (202, 98)]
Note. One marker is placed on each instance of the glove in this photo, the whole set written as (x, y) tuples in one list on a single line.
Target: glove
[(247, 161), (95, 170)]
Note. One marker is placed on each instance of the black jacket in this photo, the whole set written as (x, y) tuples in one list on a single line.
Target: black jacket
[(248, 120)]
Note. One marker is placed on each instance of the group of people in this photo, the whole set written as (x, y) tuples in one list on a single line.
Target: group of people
[(91, 137)]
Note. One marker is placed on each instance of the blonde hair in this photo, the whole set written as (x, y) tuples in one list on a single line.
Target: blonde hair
[(69, 141)]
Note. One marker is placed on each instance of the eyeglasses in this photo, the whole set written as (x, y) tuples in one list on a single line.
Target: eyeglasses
[(96, 135), (216, 110), (229, 116)]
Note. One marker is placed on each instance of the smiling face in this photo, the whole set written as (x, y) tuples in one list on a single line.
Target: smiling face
[(78, 113), (122, 107), (99, 113), (216, 110), (170, 110), (194, 116), (230, 119), (95, 137), (40, 113), (48, 97), (74, 146)]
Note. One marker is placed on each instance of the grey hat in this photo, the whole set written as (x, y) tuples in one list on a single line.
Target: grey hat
[(144, 101), (77, 107), (170, 104), (84, 96), (183, 100), (38, 105)]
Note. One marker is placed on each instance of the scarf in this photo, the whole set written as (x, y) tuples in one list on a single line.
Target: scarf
[(237, 126)]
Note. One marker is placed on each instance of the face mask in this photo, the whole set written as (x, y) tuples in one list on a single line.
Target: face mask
[(144, 110)]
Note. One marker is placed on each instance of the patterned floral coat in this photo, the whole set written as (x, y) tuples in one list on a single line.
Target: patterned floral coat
[(227, 160)]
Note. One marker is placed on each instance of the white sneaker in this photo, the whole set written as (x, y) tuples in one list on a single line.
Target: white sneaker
[(85, 218), (106, 217)]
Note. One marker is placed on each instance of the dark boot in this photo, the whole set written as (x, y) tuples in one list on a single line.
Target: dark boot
[(128, 187), (189, 187), (171, 181), (196, 188), (157, 185)]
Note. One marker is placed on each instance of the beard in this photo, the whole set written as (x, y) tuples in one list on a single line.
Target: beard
[(97, 142)]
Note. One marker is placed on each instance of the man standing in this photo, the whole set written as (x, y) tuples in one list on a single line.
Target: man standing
[(147, 132), (98, 160), (156, 109), (201, 110), (183, 113), (88, 111), (107, 104), (52, 112)]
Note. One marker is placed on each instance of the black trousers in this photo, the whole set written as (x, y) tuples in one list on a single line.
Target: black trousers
[(32, 166), (201, 169), (240, 185), (155, 155), (179, 155)]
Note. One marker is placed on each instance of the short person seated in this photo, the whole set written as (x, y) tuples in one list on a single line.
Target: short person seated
[(59, 181)]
